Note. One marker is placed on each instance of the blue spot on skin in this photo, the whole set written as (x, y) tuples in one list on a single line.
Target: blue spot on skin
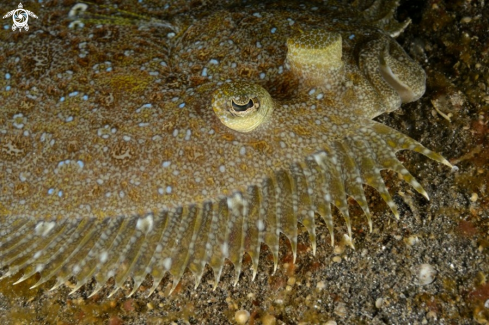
[(7, 76), (352, 36), (7, 88), (80, 163), (273, 30), (6, 26), (73, 94), (62, 99), (85, 97), (51, 191), (109, 69), (182, 105)]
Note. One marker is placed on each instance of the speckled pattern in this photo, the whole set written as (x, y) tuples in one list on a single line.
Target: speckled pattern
[(115, 165)]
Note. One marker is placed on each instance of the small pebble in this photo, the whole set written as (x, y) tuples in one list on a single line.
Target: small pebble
[(379, 302), (474, 197), (426, 274), (486, 304), (340, 309), (411, 240), (114, 320), (242, 316), (128, 305), (269, 320), (291, 281), (337, 259), (330, 322), (431, 315), (321, 285), (338, 249)]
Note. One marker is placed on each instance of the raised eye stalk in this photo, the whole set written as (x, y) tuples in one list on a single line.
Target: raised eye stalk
[(315, 56)]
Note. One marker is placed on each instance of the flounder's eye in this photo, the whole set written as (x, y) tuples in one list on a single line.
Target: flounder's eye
[(242, 106)]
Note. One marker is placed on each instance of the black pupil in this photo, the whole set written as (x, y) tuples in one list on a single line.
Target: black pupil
[(242, 108)]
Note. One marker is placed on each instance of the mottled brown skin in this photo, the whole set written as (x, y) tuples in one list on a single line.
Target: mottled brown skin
[(115, 164)]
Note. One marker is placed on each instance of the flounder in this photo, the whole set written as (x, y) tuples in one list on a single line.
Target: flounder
[(132, 146)]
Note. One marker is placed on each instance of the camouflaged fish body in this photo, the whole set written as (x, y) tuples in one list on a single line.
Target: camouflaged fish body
[(150, 153)]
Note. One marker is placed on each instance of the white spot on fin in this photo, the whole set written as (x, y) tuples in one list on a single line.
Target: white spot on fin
[(260, 225), (145, 224), (103, 257), (225, 249), (167, 263), (43, 228)]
